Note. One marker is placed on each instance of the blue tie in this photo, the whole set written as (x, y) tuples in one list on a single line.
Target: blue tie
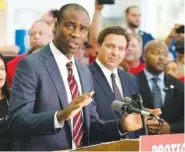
[(156, 93), (116, 90)]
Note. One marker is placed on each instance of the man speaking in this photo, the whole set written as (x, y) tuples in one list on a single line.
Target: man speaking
[(51, 105)]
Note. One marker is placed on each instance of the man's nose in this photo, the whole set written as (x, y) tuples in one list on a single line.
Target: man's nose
[(162, 57), (75, 33), (37, 35), (115, 51)]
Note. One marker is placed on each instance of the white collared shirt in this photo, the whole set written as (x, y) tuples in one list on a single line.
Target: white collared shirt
[(61, 61), (107, 73)]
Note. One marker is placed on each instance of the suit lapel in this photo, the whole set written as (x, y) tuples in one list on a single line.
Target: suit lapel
[(101, 79), (127, 90), (169, 91), (145, 89), (55, 76), (81, 71)]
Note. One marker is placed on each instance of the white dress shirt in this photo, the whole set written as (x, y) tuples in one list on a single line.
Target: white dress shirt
[(160, 82), (107, 73), (61, 61)]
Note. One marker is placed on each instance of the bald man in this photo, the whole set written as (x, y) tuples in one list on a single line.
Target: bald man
[(40, 35), (159, 90)]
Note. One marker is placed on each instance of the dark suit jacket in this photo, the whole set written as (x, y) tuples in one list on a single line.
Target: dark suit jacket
[(38, 91), (173, 109), (104, 96)]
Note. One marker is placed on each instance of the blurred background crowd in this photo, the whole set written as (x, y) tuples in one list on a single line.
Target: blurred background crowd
[(25, 26)]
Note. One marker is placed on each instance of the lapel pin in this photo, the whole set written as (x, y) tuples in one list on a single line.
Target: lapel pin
[(171, 86)]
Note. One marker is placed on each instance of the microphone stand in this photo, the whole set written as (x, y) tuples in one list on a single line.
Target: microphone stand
[(139, 101)]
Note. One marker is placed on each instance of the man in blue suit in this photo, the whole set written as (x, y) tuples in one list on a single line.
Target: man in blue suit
[(51, 104), (112, 43)]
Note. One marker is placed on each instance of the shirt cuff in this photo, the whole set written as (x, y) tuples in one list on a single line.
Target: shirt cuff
[(57, 124), (120, 130)]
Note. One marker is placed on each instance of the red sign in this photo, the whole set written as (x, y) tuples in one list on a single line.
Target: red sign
[(163, 143)]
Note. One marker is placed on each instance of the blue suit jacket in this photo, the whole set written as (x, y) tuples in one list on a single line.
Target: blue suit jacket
[(38, 91), (104, 96), (145, 37)]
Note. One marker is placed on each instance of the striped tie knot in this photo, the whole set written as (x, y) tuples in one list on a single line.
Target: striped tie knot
[(69, 66)]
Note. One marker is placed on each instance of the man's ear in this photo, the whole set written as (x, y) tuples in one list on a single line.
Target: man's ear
[(55, 27), (144, 56)]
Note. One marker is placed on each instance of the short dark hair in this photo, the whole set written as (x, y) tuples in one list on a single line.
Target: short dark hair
[(129, 8), (113, 30), (64, 8)]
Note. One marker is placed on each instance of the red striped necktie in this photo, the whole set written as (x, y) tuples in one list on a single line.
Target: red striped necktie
[(77, 120)]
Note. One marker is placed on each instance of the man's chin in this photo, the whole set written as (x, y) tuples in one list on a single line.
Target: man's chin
[(159, 70), (130, 59), (111, 65), (73, 50)]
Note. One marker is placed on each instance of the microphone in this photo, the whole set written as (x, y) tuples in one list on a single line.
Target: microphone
[(134, 103), (126, 106)]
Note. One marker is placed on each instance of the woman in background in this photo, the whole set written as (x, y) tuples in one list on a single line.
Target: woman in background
[(5, 141)]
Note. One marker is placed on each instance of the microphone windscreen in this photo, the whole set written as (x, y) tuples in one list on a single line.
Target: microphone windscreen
[(127, 100), (117, 105)]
